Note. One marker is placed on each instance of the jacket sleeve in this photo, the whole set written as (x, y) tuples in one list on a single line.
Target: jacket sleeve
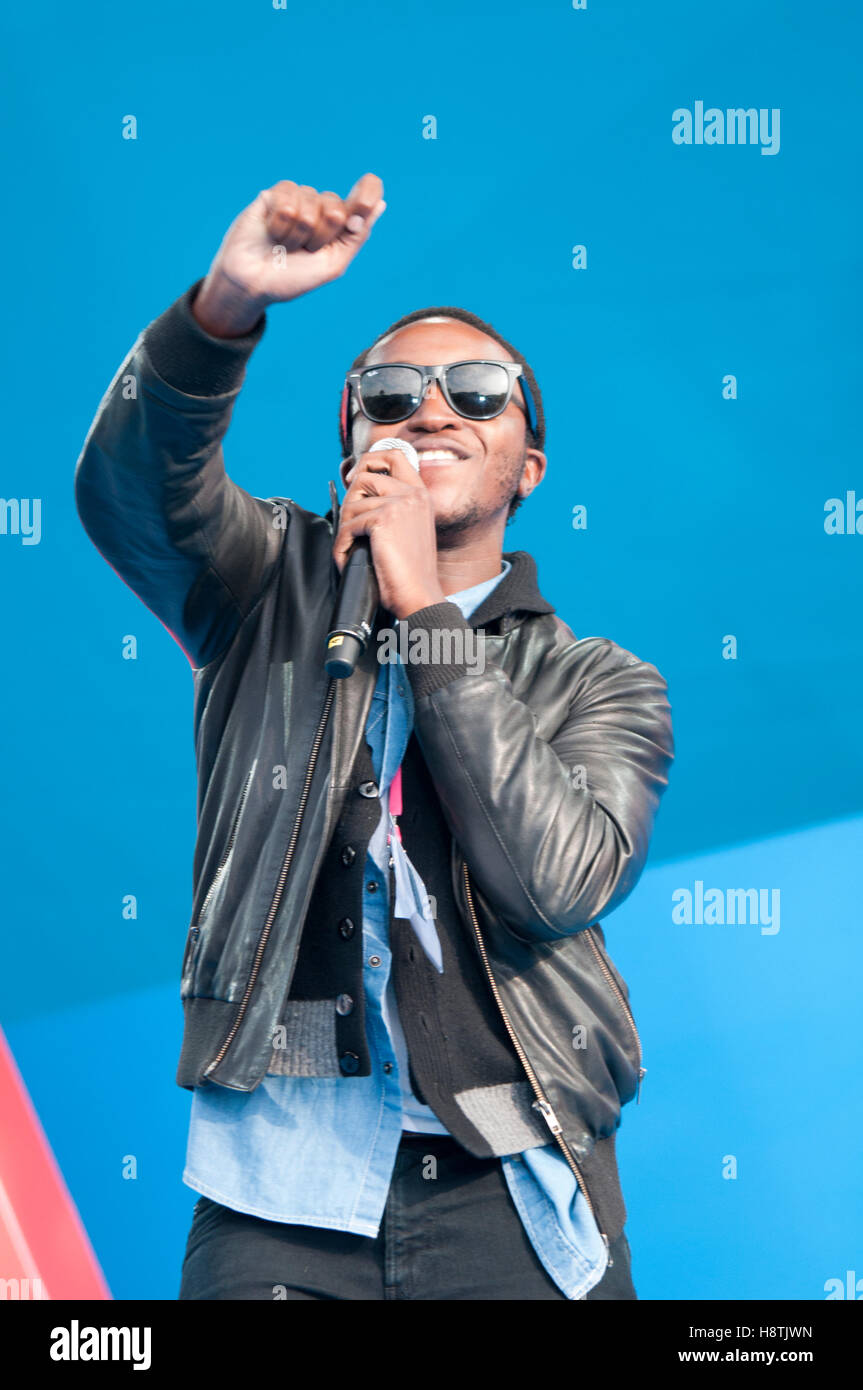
[(553, 850), (151, 488)]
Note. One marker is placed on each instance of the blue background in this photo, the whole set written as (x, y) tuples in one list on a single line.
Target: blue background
[(705, 518)]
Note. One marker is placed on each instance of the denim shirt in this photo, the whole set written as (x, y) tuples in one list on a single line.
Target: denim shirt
[(320, 1151)]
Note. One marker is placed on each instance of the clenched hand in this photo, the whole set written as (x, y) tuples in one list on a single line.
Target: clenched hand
[(396, 512), (290, 240)]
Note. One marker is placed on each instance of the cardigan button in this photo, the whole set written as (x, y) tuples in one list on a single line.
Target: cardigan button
[(349, 854), (368, 789), (344, 1004), (346, 928), (349, 1063)]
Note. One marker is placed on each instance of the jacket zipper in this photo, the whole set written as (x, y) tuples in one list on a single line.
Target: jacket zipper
[(541, 1103), (226, 855), (280, 885), (627, 1012)]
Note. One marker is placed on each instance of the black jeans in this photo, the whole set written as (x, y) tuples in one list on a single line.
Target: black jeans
[(456, 1237)]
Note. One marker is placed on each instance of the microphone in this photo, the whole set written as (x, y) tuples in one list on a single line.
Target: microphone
[(359, 595)]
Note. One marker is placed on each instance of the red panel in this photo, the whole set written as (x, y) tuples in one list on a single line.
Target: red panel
[(41, 1234)]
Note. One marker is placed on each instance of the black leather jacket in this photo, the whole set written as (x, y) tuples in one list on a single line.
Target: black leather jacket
[(539, 854)]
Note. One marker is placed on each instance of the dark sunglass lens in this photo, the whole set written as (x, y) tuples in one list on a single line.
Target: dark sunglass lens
[(478, 389), (390, 393)]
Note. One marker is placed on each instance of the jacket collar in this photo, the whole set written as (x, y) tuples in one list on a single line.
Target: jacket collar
[(516, 594)]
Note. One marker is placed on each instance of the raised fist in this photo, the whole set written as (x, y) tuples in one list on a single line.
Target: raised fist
[(288, 241)]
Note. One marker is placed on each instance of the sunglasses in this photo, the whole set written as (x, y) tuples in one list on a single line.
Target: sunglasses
[(478, 390)]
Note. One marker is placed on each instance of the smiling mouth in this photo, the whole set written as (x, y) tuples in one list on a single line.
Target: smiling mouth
[(438, 456)]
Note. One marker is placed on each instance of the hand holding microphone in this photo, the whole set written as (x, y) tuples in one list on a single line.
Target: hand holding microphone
[(385, 548)]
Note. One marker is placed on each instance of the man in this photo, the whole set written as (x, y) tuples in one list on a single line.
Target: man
[(407, 1048)]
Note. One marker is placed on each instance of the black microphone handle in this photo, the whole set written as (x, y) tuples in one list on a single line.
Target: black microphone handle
[(356, 607)]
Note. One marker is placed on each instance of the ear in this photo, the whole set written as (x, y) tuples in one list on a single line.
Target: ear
[(535, 463)]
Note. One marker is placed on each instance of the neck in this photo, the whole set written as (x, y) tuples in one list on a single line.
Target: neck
[(474, 559)]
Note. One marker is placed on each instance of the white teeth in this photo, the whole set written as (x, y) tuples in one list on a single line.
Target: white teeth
[(437, 454)]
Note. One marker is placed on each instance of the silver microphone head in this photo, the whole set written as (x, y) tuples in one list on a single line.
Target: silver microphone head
[(407, 449)]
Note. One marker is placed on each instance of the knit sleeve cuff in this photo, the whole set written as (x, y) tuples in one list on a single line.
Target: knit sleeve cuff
[(444, 649), (192, 360)]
